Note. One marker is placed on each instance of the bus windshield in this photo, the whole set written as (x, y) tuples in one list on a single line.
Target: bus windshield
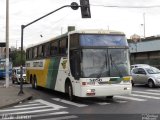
[(104, 63), (102, 40)]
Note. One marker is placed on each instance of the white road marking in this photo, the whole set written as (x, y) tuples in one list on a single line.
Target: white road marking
[(32, 111), (121, 101), (69, 102), (50, 104), (33, 102), (150, 93), (103, 103), (146, 96), (27, 105), (49, 114), (154, 90), (62, 118), (130, 98), (16, 109)]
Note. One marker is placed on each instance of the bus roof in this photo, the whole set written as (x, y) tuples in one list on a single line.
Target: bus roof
[(96, 31), (85, 31)]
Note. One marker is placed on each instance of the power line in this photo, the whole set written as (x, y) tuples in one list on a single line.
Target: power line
[(117, 6)]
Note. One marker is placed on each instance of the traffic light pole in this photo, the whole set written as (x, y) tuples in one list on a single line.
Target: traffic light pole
[(73, 5), (7, 44)]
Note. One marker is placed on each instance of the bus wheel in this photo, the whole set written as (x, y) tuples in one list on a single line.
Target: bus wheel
[(70, 92), (109, 98), (34, 83)]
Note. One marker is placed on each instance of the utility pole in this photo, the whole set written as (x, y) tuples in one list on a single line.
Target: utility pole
[(7, 43), (144, 25)]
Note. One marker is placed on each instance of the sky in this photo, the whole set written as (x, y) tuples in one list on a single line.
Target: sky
[(128, 17)]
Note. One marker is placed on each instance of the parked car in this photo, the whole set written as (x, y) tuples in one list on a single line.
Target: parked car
[(146, 75), (16, 75)]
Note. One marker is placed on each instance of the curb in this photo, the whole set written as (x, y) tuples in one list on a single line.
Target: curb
[(17, 102)]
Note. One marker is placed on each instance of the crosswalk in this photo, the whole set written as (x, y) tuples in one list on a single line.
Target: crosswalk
[(37, 109), (58, 108), (141, 96)]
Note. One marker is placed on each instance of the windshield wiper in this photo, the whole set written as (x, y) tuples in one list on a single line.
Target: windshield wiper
[(102, 68), (113, 63)]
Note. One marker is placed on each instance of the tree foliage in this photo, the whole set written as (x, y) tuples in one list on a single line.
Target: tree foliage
[(15, 57)]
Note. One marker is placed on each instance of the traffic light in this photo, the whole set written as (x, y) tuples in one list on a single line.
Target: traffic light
[(85, 9)]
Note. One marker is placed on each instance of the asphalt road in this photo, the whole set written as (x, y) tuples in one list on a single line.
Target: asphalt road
[(142, 104)]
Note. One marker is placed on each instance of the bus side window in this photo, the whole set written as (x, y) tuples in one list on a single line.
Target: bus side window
[(40, 51), (35, 53), (54, 48), (42, 54), (47, 50), (63, 46), (30, 54)]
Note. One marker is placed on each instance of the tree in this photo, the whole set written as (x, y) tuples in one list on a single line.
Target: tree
[(15, 57)]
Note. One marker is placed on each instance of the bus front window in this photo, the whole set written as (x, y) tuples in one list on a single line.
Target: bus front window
[(94, 63), (104, 63), (119, 62)]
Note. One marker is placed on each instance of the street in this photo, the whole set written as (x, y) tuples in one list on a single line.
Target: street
[(46, 104)]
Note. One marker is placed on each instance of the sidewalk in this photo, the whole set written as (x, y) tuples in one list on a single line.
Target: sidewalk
[(9, 96)]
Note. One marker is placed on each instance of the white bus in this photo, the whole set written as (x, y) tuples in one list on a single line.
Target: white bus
[(85, 63)]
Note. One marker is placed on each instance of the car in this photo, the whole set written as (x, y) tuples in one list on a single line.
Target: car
[(138, 65), (146, 75), (16, 75)]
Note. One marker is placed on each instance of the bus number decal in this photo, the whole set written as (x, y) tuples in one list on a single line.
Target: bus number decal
[(96, 80)]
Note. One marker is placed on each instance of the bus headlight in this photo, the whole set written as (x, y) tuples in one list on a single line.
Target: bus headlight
[(90, 92)]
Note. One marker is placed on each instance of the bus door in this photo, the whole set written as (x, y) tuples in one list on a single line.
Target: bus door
[(75, 69)]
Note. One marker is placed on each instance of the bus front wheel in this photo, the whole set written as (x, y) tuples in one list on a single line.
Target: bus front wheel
[(109, 98)]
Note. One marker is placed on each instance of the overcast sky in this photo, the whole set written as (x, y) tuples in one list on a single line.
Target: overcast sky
[(127, 20)]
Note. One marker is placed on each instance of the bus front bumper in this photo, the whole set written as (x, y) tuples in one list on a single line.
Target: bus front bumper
[(107, 90)]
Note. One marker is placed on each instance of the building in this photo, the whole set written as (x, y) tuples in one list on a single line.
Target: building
[(145, 51)]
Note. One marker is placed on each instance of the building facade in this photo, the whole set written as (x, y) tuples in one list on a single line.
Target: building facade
[(145, 51)]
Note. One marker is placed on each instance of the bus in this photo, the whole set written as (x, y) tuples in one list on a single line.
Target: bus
[(3, 68), (82, 63)]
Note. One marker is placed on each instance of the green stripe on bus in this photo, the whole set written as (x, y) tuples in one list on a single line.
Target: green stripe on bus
[(115, 80), (52, 72)]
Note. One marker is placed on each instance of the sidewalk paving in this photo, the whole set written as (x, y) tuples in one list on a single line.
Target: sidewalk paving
[(9, 96)]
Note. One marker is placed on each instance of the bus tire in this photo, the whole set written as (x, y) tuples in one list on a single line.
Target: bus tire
[(69, 91), (109, 97), (34, 83)]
